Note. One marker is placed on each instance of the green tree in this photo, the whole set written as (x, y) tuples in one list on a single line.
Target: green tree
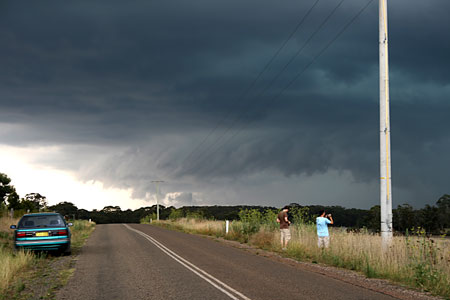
[(251, 220), (176, 214), (197, 215), (28, 205), (65, 209), (374, 218), (5, 187), (35, 201), (300, 214), (83, 214), (270, 218), (14, 201), (404, 218), (443, 205), (429, 218)]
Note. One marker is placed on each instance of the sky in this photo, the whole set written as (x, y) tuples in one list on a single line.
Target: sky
[(228, 102)]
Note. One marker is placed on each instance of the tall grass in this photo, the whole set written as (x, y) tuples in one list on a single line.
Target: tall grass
[(416, 260), (194, 225), (10, 263), (81, 230)]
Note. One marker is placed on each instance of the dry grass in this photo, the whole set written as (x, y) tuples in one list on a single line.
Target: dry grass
[(10, 263), (416, 260), (6, 233), (198, 226)]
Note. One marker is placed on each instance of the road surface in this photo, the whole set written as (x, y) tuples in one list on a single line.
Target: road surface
[(138, 261)]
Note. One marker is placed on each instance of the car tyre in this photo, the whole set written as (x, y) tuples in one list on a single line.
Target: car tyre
[(67, 251)]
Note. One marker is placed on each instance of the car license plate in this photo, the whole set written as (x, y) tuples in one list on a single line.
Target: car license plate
[(41, 233)]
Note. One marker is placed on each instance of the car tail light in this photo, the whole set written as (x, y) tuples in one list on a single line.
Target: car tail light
[(60, 232), (21, 234)]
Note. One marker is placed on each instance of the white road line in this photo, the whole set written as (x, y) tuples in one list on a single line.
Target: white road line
[(221, 286)]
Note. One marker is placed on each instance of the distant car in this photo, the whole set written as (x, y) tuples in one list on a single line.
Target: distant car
[(42, 231)]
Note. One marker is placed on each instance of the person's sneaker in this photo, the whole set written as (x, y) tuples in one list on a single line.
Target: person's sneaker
[(284, 249)]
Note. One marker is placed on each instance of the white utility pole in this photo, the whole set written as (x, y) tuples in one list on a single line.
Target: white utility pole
[(385, 130), (157, 197)]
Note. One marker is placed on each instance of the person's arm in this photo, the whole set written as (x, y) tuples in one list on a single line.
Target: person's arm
[(287, 220), (331, 219), (278, 220)]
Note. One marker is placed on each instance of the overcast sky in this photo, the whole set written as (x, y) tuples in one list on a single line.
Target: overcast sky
[(100, 98)]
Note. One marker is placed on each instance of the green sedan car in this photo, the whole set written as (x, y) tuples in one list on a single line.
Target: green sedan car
[(42, 231)]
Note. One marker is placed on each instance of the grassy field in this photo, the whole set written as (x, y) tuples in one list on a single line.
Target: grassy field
[(15, 267), (415, 260)]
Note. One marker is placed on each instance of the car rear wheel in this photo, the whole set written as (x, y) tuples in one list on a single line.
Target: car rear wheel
[(67, 250)]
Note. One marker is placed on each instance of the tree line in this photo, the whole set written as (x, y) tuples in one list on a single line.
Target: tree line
[(433, 218)]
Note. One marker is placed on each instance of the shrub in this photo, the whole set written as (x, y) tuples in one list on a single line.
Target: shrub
[(175, 214), (198, 215), (251, 220), (300, 215), (148, 219)]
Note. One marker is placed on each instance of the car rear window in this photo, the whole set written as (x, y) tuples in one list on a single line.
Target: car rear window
[(41, 221)]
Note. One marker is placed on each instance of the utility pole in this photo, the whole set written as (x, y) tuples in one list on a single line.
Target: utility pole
[(385, 130), (157, 197)]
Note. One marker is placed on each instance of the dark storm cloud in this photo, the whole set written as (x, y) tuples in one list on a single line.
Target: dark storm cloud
[(144, 82)]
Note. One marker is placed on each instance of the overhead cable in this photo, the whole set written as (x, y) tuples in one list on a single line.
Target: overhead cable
[(343, 29), (243, 95), (274, 79)]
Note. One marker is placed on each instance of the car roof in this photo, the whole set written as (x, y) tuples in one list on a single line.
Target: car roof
[(42, 214)]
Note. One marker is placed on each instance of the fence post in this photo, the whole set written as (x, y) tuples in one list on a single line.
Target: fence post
[(12, 213), (227, 225)]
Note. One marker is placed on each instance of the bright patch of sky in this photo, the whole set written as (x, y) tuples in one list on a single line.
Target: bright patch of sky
[(59, 186)]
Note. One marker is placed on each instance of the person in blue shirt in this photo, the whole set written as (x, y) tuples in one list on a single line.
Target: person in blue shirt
[(322, 229)]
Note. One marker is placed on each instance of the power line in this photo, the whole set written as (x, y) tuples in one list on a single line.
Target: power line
[(274, 79), (346, 26), (243, 95)]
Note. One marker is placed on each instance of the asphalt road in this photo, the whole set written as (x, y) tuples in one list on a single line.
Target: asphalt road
[(146, 262)]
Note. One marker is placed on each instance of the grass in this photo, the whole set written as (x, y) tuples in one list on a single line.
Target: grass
[(17, 268), (81, 230), (415, 260), (10, 263)]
